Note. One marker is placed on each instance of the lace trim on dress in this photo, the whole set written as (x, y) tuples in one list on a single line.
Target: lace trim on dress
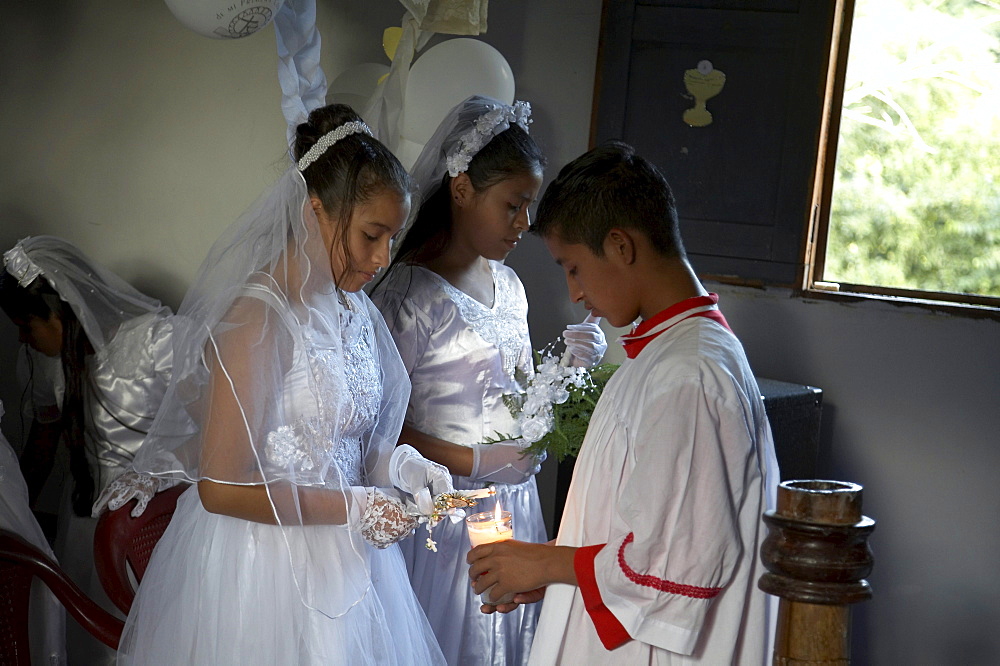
[(496, 325), (306, 443)]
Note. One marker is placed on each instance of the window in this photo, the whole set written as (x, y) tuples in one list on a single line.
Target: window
[(899, 196), (911, 205)]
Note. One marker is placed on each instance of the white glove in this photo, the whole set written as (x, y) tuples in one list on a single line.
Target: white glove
[(130, 485), (424, 479), (504, 462), (380, 519), (585, 342)]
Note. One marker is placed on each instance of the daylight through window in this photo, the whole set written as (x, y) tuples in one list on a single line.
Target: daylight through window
[(915, 202)]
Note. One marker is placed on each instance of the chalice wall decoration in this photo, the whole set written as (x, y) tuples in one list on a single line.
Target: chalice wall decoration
[(703, 83)]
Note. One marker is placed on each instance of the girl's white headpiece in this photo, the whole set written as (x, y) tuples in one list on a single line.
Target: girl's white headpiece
[(330, 138), (19, 264), (497, 119)]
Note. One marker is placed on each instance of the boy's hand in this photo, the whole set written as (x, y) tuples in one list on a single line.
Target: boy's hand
[(519, 567), (530, 597)]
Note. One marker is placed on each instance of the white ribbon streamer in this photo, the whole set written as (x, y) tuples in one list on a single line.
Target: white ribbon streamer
[(303, 84)]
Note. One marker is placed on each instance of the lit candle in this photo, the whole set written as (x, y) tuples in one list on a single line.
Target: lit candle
[(489, 527)]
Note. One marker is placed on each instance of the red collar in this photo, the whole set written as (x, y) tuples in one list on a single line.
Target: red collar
[(646, 332)]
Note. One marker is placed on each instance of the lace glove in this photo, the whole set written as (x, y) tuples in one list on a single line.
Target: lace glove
[(380, 519), (424, 479), (504, 462), (585, 342), (130, 485)]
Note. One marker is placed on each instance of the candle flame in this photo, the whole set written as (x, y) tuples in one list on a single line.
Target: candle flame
[(497, 514)]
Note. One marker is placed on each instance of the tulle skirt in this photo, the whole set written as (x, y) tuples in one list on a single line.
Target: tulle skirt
[(218, 591), (441, 582)]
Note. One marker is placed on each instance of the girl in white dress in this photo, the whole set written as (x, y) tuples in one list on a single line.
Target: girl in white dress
[(286, 402), (459, 318), (100, 357)]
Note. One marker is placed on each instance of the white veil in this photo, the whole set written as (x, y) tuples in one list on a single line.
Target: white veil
[(469, 126), (99, 298), (264, 392)]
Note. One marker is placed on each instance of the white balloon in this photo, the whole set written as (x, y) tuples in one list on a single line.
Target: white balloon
[(446, 74), (356, 85), (225, 19)]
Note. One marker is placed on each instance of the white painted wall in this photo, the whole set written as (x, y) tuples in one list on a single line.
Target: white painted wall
[(139, 141)]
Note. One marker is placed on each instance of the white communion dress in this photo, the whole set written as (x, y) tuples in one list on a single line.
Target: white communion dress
[(222, 590), (462, 358)]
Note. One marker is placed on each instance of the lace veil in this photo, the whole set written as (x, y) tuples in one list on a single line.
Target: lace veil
[(282, 381), (99, 298)]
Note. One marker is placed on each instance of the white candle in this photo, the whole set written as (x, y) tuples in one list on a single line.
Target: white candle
[(482, 493), (487, 527)]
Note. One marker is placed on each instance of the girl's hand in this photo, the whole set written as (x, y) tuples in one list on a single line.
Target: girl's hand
[(129, 485), (585, 342), (504, 462), (383, 519), (422, 478)]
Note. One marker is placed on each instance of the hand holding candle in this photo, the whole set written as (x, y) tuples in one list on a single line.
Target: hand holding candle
[(519, 570), (490, 527)]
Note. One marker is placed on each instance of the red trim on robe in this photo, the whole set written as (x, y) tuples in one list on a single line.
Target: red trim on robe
[(636, 342), (659, 583), (611, 632)]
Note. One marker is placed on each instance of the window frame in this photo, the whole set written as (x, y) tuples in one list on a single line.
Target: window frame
[(813, 284)]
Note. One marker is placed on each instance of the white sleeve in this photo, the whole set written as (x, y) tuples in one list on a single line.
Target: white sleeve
[(410, 325), (45, 375), (680, 506)]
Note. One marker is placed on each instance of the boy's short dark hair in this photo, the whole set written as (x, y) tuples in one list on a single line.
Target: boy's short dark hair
[(608, 187)]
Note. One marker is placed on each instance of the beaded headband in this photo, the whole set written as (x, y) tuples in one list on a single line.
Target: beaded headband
[(19, 264), (330, 138), (497, 119)]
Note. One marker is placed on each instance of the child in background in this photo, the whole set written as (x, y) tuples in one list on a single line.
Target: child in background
[(656, 560), (459, 318), (100, 358)]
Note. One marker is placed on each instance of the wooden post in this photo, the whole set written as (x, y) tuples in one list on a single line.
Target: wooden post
[(817, 556)]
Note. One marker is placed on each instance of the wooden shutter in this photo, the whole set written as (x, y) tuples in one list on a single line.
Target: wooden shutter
[(743, 183)]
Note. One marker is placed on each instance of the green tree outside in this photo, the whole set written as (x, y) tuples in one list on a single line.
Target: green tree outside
[(916, 200)]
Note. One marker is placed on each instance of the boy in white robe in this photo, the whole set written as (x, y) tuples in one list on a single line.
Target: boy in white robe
[(656, 560)]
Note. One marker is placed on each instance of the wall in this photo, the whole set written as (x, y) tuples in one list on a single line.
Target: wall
[(139, 141)]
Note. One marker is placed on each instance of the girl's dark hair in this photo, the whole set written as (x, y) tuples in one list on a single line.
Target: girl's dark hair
[(510, 153), (39, 299), (350, 172)]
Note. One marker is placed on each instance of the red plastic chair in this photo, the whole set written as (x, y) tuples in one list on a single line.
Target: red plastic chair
[(20, 562), (123, 543)]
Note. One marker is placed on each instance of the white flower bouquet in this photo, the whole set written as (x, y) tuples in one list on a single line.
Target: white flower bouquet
[(554, 411)]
